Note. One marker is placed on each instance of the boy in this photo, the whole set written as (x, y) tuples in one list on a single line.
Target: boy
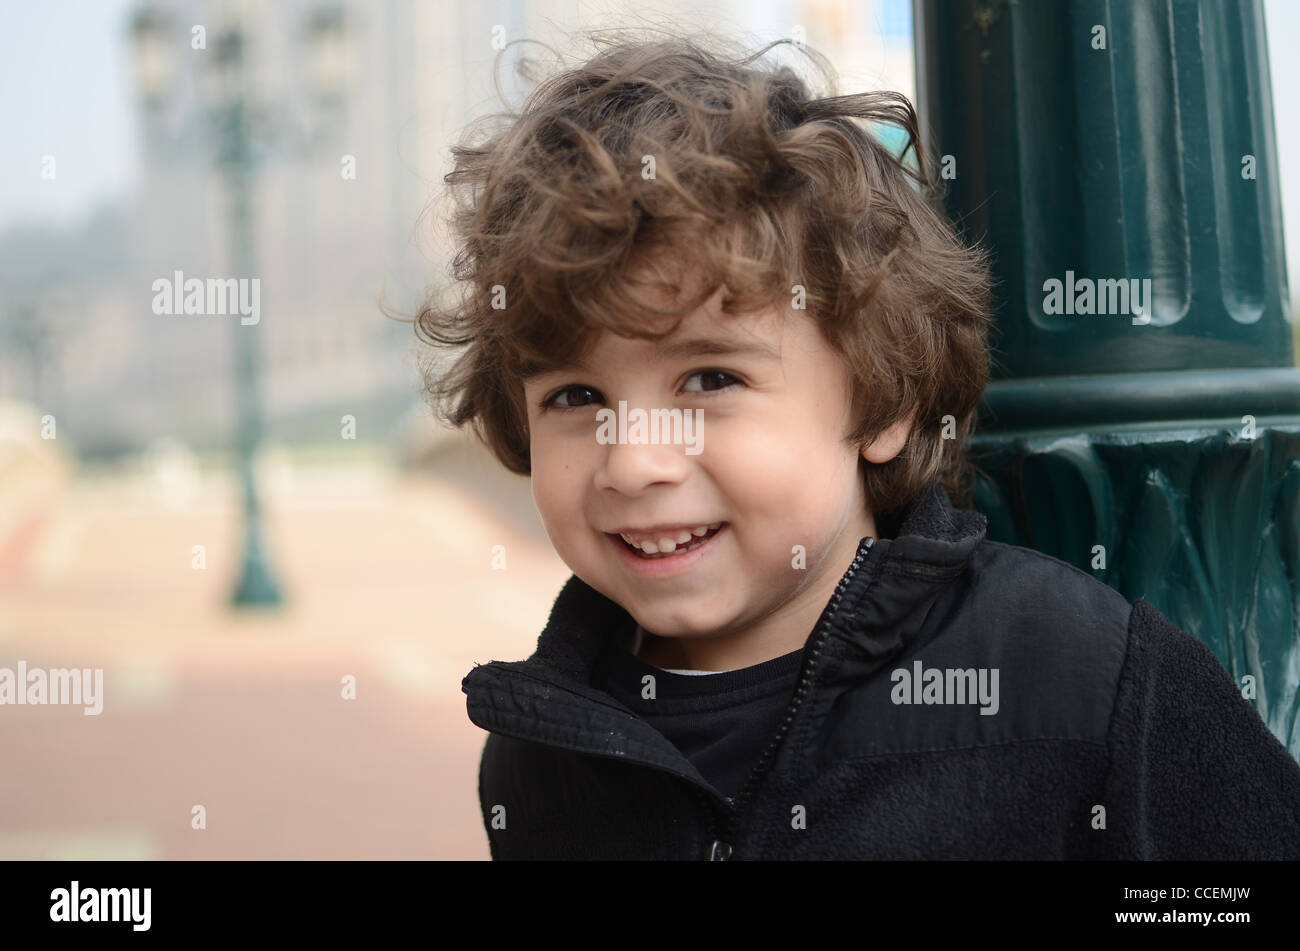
[(782, 638)]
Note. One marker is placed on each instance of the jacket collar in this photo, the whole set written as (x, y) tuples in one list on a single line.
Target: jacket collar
[(876, 610)]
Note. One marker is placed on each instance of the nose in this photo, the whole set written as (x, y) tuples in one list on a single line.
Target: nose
[(632, 468)]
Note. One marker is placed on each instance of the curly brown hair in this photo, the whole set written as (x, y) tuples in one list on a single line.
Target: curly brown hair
[(662, 155)]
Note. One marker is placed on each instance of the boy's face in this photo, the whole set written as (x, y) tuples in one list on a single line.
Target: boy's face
[(769, 467)]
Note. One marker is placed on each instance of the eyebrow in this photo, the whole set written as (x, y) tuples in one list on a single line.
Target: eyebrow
[(691, 347), (709, 347)]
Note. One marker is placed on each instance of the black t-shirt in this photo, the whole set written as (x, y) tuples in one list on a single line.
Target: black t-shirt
[(720, 721)]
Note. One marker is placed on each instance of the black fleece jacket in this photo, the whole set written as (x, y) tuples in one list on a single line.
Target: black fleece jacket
[(1115, 735)]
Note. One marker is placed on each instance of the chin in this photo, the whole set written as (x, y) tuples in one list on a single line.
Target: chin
[(672, 624)]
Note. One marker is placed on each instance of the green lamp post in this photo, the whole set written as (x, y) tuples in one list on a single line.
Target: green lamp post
[(256, 585), (230, 122), (1143, 418)]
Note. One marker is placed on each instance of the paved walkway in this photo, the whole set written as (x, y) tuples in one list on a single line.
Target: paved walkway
[(388, 579)]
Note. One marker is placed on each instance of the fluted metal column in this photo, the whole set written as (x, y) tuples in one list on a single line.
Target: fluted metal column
[(1092, 143)]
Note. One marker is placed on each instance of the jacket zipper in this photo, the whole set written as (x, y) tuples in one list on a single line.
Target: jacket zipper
[(721, 849)]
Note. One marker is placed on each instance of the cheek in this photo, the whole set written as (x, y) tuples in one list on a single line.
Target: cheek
[(557, 485), (787, 463), (789, 486)]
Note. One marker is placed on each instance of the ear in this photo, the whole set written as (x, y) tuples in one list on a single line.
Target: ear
[(889, 442)]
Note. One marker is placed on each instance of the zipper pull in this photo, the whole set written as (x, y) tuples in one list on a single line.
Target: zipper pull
[(720, 851)]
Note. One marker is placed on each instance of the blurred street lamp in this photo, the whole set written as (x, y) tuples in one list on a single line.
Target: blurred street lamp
[(154, 67), (237, 125), (329, 54), (222, 81)]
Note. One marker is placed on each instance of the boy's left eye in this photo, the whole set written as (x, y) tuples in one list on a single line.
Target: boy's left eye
[(711, 380)]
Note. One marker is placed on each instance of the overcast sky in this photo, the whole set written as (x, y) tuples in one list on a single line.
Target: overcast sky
[(66, 92)]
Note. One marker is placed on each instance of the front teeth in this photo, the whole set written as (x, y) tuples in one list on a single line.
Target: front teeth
[(667, 544)]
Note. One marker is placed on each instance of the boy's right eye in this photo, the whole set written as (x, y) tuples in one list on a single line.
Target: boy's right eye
[(572, 397)]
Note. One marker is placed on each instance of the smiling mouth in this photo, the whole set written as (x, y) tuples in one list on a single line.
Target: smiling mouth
[(677, 549)]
